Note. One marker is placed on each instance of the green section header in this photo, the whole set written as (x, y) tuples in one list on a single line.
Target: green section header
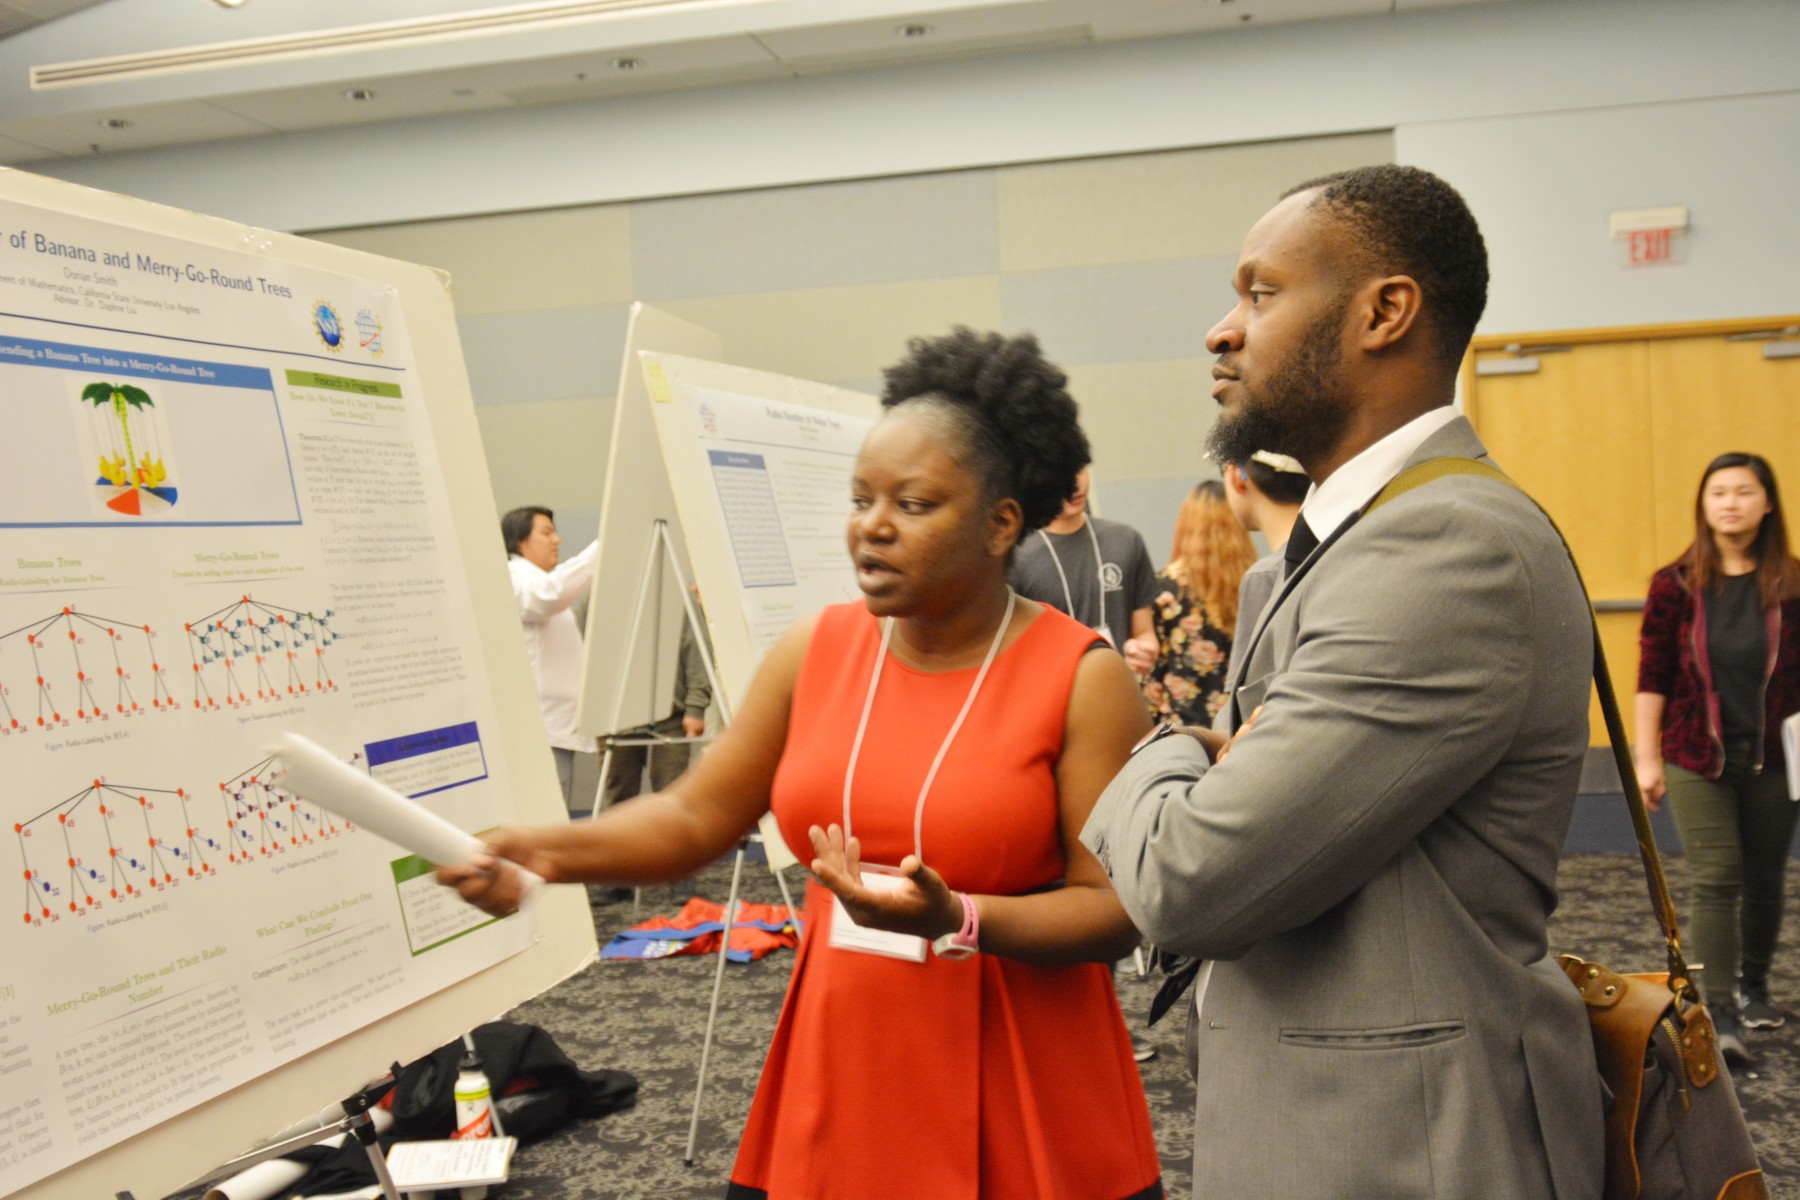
[(340, 383), (411, 867)]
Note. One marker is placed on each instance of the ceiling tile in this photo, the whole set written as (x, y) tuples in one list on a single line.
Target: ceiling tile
[(158, 125), (886, 33), (49, 10), (501, 85), (294, 109), (13, 152)]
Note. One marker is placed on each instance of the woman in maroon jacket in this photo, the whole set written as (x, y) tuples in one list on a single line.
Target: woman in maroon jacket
[(1719, 670)]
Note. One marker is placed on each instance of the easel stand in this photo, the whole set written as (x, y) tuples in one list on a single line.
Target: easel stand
[(649, 743), (356, 1122), (660, 541), (712, 1013)]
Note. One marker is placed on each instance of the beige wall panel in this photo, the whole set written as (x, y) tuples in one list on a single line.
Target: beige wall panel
[(1147, 420), (551, 453), (1175, 204), (1710, 397), (839, 334), (516, 262)]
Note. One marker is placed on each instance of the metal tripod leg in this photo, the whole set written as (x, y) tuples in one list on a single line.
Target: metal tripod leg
[(712, 1015), (793, 913)]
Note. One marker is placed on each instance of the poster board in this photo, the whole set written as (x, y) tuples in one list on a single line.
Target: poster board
[(636, 496), (243, 491), (760, 469)]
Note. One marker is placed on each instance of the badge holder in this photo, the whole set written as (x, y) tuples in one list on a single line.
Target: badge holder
[(846, 934)]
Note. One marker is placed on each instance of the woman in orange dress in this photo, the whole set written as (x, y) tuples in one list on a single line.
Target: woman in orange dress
[(951, 1028)]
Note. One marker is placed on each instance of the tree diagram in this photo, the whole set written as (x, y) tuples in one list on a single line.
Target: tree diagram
[(115, 843), (264, 820), (46, 658), (108, 842), (250, 646)]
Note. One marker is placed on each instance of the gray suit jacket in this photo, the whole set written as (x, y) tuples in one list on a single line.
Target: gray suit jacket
[(1372, 867)]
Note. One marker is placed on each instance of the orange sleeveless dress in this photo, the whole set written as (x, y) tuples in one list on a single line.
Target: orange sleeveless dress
[(950, 1079)]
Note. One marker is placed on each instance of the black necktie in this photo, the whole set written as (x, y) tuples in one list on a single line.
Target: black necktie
[(1301, 542)]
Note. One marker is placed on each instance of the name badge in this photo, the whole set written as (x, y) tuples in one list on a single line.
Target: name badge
[(846, 934)]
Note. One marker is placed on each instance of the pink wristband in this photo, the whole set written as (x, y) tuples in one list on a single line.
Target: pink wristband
[(969, 936), (965, 941)]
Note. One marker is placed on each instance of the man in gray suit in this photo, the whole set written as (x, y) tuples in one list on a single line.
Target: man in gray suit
[(1370, 868)]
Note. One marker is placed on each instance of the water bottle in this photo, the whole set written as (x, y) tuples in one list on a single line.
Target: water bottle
[(475, 1117)]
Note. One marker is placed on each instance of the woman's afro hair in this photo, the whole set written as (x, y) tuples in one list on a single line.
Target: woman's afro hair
[(1021, 430)]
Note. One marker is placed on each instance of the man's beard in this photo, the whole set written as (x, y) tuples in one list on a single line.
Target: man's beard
[(1299, 410)]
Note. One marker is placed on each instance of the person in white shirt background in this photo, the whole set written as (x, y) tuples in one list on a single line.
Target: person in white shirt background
[(545, 591)]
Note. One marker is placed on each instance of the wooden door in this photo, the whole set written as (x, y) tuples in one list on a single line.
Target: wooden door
[(1610, 430), (1576, 433), (1710, 396)]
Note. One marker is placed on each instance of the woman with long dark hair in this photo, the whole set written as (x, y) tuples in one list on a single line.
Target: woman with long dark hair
[(1719, 670), (1195, 608)]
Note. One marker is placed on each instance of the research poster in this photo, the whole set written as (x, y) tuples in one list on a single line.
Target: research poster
[(223, 517), (780, 474)]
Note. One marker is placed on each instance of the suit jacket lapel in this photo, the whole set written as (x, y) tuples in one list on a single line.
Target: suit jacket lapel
[(1457, 439), (1291, 577)]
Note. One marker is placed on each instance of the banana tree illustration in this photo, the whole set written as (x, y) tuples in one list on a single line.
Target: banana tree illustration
[(119, 396)]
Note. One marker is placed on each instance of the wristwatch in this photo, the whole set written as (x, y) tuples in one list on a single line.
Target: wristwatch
[(965, 941)]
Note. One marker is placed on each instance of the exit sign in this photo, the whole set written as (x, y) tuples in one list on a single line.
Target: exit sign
[(1643, 247), (1648, 236)]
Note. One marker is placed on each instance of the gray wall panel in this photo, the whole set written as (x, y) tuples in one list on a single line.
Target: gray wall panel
[(552, 354), (1121, 312), (828, 235)]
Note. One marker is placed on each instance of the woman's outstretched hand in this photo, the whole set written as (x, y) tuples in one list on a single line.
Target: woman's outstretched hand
[(923, 906), (490, 881)]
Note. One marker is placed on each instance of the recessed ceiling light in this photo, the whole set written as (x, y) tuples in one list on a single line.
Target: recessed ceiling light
[(229, 3), (113, 123), (627, 64), (359, 94), (914, 31)]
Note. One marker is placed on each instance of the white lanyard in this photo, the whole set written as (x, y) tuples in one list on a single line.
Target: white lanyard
[(887, 633), (1099, 574)]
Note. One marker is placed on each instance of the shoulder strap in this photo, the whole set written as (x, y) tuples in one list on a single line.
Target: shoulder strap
[(1660, 902)]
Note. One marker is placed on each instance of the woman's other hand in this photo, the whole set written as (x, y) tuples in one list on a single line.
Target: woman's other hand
[(923, 906)]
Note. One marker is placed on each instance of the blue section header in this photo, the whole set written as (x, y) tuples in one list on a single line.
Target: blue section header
[(729, 458), (412, 745), (96, 361)]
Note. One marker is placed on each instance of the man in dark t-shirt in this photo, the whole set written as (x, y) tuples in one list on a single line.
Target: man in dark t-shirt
[(1095, 570)]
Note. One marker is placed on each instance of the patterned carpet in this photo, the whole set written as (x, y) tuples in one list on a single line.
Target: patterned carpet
[(648, 1018)]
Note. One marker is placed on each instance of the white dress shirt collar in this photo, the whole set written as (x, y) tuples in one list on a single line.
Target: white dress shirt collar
[(1355, 483)]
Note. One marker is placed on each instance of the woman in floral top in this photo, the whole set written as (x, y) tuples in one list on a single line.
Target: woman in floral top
[(1196, 607)]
